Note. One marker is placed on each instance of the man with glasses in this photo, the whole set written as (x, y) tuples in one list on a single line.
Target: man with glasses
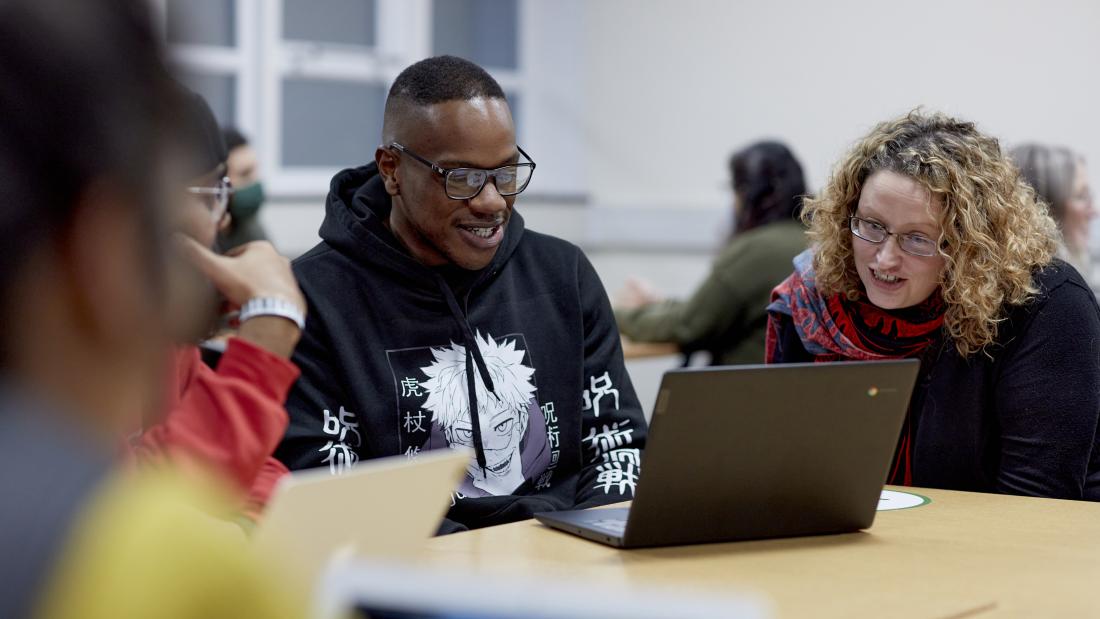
[(228, 419), (427, 295)]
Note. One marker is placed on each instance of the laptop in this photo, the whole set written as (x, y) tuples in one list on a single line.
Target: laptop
[(385, 507), (759, 451)]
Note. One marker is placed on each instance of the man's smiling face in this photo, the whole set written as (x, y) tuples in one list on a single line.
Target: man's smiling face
[(437, 230)]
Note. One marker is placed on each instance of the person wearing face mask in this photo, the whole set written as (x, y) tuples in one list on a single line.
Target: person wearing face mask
[(927, 243), (1061, 179), (248, 193)]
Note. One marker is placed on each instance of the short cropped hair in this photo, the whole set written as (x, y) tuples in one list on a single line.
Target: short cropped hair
[(995, 233), (443, 78)]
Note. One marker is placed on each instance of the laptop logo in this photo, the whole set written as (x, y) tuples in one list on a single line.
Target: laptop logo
[(873, 391)]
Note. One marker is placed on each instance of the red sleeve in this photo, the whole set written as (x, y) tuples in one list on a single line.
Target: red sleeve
[(228, 421), (262, 487)]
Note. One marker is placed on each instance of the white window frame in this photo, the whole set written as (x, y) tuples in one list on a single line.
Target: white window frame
[(236, 61), (398, 38), (546, 81)]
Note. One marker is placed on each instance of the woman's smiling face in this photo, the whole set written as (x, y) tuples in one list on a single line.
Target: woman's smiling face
[(893, 278)]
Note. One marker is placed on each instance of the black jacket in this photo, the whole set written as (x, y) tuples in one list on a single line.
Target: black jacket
[(384, 369), (1022, 420)]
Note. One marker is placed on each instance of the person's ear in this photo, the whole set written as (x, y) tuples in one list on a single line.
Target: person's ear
[(387, 167)]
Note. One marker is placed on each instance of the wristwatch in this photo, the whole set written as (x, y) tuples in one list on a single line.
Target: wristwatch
[(272, 306)]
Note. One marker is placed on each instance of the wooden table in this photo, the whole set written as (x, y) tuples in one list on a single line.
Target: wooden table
[(962, 555), (642, 350)]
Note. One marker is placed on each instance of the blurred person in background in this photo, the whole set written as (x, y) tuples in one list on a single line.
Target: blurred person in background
[(228, 419), (726, 316), (1061, 179), (927, 243), (243, 170), (86, 284)]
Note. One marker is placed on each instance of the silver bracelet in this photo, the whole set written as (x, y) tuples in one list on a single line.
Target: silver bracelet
[(272, 306)]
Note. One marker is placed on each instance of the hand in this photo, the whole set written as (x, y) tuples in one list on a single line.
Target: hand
[(252, 270), (636, 293)]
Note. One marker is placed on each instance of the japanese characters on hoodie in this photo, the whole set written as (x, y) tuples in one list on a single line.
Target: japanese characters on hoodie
[(386, 370)]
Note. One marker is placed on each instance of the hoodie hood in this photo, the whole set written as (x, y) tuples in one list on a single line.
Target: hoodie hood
[(355, 214), (384, 361), (356, 210)]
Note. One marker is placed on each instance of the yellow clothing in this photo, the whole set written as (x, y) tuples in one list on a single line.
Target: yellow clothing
[(143, 548)]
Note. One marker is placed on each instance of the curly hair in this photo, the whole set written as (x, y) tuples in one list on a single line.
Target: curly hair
[(994, 232)]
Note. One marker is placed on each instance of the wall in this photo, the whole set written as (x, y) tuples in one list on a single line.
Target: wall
[(670, 88), (674, 86)]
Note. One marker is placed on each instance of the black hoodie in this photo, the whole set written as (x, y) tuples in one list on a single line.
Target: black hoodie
[(384, 369)]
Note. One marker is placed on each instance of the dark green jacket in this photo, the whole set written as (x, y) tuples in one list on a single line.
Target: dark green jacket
[(726, 316)]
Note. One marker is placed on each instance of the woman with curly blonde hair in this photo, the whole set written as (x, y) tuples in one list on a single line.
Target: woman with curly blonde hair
[(928, 244)]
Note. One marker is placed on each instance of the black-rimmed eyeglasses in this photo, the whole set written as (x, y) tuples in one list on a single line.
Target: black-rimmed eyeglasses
[(467, 183), (874, 232)]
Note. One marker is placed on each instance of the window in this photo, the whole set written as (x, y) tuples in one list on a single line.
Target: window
[(219, 90), (211, 44), (483, 31), (332, 123), (202, 22), (339, 22), (306, 80)]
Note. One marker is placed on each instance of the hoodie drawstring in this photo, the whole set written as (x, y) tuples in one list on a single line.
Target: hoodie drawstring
[(473, 358)]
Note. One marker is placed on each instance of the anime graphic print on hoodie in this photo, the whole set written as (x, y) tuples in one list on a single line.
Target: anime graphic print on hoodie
[(521, 362), (434, 412)]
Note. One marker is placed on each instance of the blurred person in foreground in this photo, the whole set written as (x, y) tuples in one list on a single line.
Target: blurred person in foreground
[(727, 316), (229, 419), (243, 170), (85, 288), (1061, 179), (928, 244)]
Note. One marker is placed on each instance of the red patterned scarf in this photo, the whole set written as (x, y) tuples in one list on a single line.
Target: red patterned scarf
[(835, 328)]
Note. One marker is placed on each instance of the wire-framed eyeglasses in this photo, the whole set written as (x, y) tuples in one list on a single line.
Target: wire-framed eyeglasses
[(216, 198), (467, 183), (911, 243)]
